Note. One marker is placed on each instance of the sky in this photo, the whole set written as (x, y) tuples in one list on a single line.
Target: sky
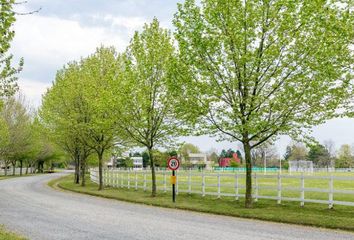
[(66, 30)]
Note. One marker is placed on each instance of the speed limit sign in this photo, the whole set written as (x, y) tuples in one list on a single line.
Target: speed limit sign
[(173, 163)]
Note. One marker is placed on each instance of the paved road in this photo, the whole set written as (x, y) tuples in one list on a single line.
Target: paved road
[(30, 207)]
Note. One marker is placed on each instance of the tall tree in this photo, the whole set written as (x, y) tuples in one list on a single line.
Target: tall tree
[(298, 152), (146, 106), (98, 72), (319, 155), (8, 73), (186, 149), (252, 70), (18, 122), (62, 113), (345, 158)]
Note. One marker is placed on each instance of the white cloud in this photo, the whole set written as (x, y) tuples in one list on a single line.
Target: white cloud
[(33, 90), (56, 41)]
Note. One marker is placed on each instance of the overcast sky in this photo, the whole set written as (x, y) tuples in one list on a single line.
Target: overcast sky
[(65, 30)]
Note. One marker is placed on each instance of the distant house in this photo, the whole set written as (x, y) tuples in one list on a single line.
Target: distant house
[(117, 162), (198, 159), (137, 163), (226, 162)]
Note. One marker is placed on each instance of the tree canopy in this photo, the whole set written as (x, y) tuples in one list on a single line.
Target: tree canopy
[(251, 70)]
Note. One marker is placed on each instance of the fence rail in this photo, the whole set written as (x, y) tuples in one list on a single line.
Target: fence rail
[(230, 184)]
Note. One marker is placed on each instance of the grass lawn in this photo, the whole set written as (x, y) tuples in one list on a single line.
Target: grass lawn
[(6, 235), (268, 186), (2, 177), (341, 217)]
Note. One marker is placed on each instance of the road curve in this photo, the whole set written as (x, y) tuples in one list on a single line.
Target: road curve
[(33, 209)]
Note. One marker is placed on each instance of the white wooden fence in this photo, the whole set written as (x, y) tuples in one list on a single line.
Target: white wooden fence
[(141, 179)]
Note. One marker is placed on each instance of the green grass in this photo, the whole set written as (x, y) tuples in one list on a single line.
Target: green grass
[(341, 217), (2, 177), (229, 180), (6, 235)]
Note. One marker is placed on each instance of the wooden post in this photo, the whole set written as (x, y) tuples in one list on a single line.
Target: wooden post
[(330, 200), (236, 186), (190, 181), (203, 184), (164, 181), (279, 189), (218, 185), (256, 190), (302, 190), (129, 179), (144, 180), (136, 181)]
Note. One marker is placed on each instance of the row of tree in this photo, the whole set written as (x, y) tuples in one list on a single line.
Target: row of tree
[(243, 71), (322, 155), (23, 141)]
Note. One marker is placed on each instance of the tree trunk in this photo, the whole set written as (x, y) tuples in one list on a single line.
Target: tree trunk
[(77, 169), (248, 159), (13, 169), (21, 165), (5, 168), (100, 170), (153, 174), (27, 165), (83, 171)]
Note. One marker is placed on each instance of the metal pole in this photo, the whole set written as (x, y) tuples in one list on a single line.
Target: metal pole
[(173, 188)]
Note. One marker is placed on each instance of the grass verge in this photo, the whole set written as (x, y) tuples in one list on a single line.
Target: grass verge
[(6, 235), (318, 215)]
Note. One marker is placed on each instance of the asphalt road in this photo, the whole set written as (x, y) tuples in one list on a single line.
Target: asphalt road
[(30, 207)]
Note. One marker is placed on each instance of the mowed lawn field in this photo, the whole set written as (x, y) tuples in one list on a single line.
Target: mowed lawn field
[(312, 214), (317, 185)]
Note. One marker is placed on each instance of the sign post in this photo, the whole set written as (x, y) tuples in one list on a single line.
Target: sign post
[(173, 164)]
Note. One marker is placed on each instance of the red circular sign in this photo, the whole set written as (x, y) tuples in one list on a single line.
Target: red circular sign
[(173, 163)]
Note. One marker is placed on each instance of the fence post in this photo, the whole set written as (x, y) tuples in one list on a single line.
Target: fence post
[(279, 189), (122, 179), (145, 180), (136, 181), (302, 190), (128, 178), (256, 190), (330, 200), (111, 178), (164, 181), (203, 184), (218, 185), (116, 179), (104, 177), (236, 186), (189, 181)]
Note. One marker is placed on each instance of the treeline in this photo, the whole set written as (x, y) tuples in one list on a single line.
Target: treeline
[(24, 143), (322, 155), (240, 71)]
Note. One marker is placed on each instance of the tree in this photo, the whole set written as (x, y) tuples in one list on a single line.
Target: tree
[(17, 118), (214, 157), (186, 149), (62, 114), (265, 155), (8, 73), (345, 158), (144, 104), (100, 133), (319, 155), (288, 153), (298, 152), (249, 69)]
